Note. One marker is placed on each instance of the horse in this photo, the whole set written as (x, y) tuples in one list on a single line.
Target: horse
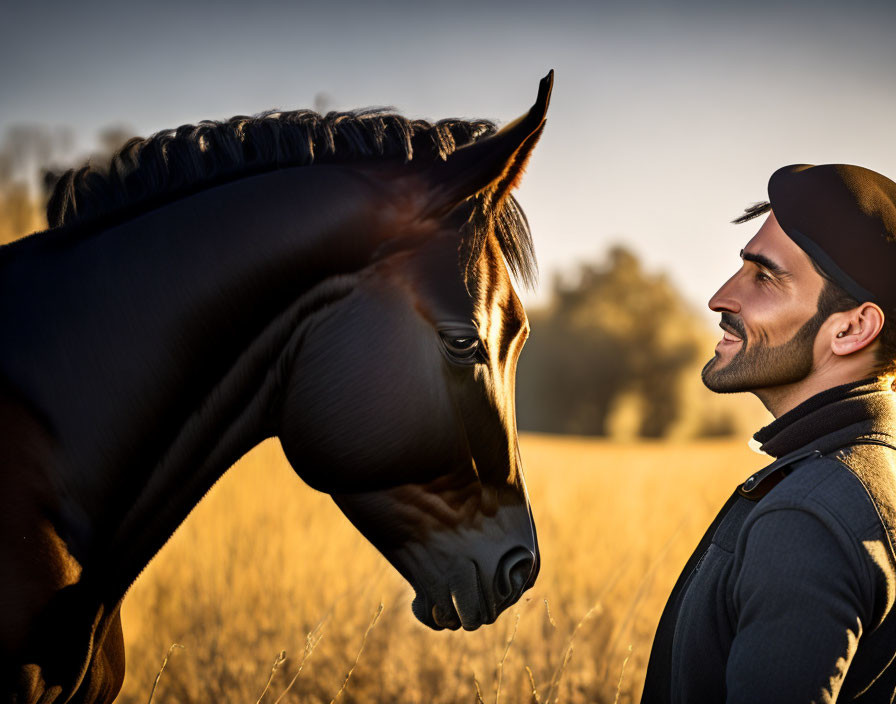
[(341, 282)]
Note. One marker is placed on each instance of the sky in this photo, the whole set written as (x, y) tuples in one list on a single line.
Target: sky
[(666, 119)]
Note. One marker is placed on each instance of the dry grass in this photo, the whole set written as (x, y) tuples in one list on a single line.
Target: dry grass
[(265, 564)]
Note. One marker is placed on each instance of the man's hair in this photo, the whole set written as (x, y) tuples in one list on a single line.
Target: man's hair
[(834, 299), (753, 211)]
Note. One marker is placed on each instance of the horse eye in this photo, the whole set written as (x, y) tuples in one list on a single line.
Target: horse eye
[(464, 348)]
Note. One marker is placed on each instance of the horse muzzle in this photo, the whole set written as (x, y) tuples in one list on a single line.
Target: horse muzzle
[(471, 597), (465, 578), (466, 567)]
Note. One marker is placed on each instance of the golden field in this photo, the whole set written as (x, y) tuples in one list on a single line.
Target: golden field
[(264, 564)]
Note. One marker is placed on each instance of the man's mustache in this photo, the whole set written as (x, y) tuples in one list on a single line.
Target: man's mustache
[(734, 324)]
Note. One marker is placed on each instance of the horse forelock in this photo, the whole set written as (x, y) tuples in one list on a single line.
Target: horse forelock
[(510, 228)]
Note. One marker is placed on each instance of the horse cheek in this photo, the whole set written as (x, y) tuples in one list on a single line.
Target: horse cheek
[(388, 421)]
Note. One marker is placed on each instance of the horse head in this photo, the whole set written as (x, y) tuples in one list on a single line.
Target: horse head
[(399, 401)]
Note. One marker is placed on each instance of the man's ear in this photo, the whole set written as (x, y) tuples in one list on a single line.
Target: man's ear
[(492, 166), (855, 329)]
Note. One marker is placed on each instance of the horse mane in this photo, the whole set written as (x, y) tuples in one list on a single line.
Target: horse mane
[(147, 173)]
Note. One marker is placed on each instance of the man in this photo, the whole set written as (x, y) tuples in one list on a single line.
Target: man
[(790, 595)]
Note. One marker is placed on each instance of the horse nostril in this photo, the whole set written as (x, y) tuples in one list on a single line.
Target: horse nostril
[(513, 574)]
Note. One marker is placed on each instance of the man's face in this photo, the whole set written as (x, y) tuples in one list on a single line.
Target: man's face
[(768, 316)]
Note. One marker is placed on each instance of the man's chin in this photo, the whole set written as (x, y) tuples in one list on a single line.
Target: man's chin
[(715, 379)]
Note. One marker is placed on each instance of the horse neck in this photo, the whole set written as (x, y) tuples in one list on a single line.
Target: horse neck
[(239, 411), (150, 349)]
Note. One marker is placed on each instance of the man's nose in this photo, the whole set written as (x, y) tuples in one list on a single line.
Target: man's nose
[(725, 299)]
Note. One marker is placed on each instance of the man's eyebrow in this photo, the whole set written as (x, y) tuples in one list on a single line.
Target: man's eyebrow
[(764, 262)]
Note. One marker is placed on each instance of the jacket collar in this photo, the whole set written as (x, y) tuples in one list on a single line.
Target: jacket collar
[(860, 411), (832, 418)]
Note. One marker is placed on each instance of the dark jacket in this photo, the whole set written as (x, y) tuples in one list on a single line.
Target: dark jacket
[(790, 595)]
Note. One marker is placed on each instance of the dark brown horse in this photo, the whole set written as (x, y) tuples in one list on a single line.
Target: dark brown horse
[(337, 281)]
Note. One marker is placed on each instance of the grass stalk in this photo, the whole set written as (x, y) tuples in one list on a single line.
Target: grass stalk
[(162, 668), (622, 674), (535, 699), (311, 641), (500, 673), (279, 660), (643, 587), (479, 699), (376, 617), (558, 673)]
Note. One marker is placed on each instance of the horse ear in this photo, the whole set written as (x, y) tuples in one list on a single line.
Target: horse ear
[(492, 166)]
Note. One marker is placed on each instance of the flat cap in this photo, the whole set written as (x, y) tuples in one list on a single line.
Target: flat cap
[(843, 217)]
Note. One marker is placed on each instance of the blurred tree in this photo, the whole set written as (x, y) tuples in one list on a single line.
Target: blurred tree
[(19, 213), (613, 346), (110, 139), (25, 151), (28, 149), (323, 102), (29, 154)]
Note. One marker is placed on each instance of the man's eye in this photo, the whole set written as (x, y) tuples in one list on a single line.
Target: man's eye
[(762, 277)]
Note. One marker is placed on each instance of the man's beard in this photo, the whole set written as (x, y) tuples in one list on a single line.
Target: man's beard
[(762, 366)]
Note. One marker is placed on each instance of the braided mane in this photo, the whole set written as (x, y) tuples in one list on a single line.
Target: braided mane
[(172, 164)]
